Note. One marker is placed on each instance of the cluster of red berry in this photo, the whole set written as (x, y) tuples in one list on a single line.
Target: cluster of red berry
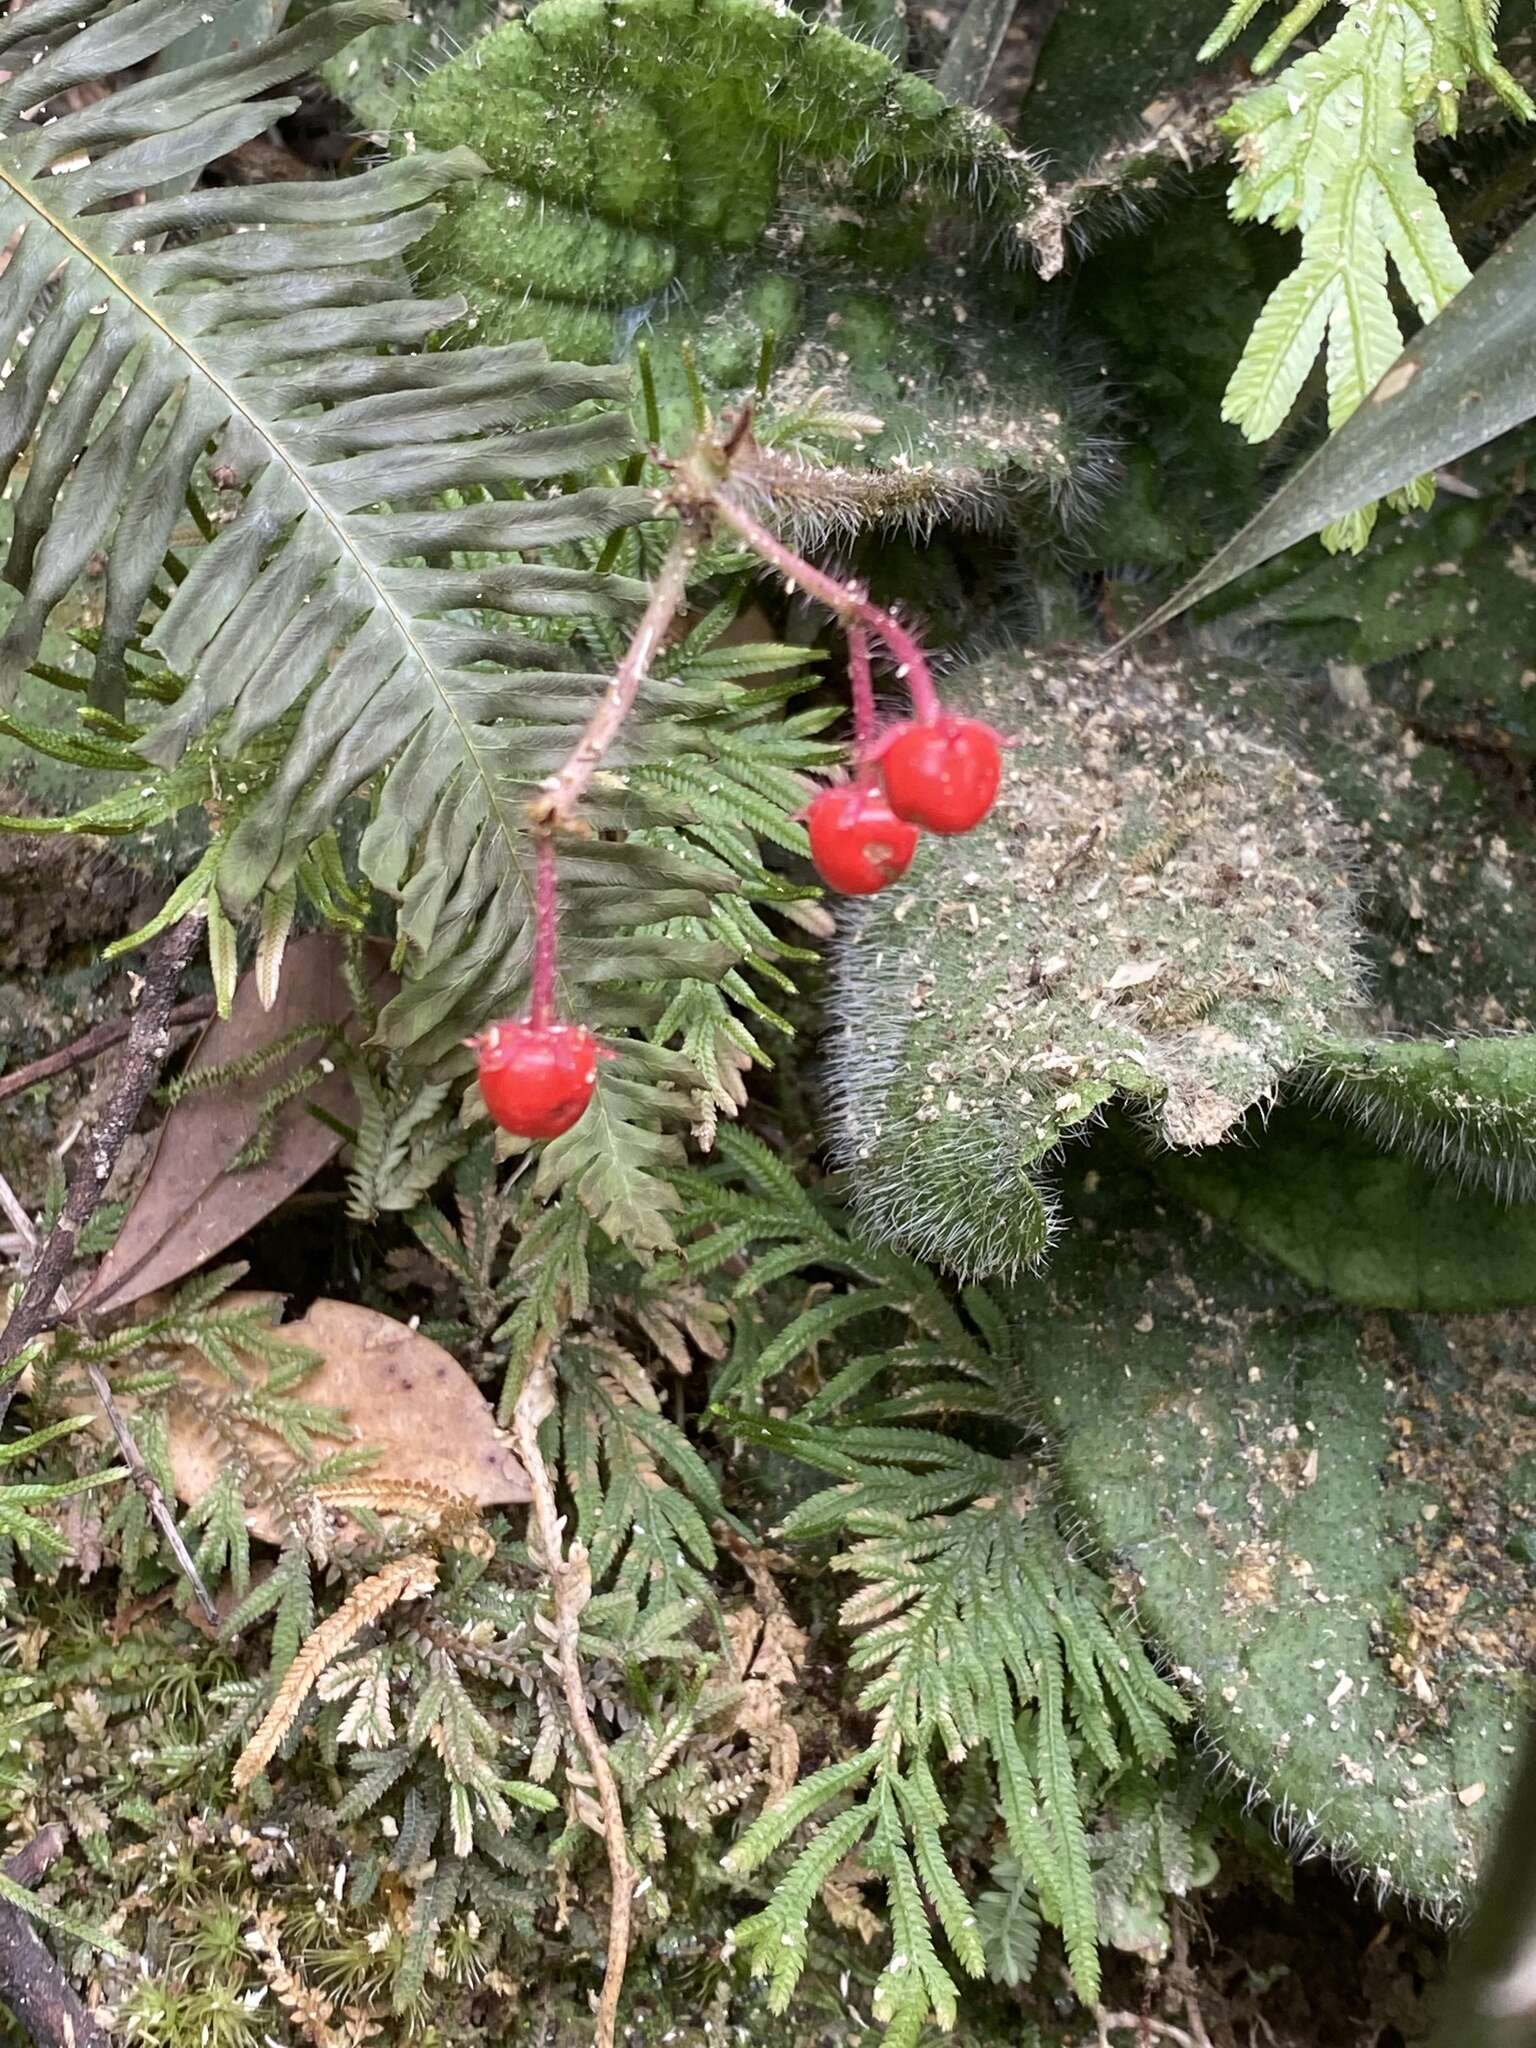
[(941, 776), (933, 771)]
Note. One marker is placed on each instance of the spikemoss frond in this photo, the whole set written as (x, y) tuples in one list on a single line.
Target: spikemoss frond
[(976, 1630)]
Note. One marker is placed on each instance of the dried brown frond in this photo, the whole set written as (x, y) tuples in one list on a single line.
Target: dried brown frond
[(438, 1510), (407, 1578)]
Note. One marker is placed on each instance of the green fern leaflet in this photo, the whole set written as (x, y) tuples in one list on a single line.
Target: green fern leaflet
[(1329, 149), (978, 1630)]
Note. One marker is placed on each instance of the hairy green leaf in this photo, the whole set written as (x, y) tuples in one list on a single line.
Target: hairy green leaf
[(1364, 1225), (1307, 1499)]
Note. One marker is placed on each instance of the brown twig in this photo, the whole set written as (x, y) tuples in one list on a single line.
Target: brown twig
[(149, 1487), (570, 1581), (1145, 2029), (149, 1040), (560, 795), (17, 1216), (1181, 1974), (32, 1986), (31, 1860), (143, 1478), (44, 1302), (197, 1011)]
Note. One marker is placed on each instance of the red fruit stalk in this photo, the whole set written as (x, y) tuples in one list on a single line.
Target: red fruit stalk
[(861, 686), (845, 599), (537, 1075), (559, 796), (546, 929), (940, 771), (858, 844)]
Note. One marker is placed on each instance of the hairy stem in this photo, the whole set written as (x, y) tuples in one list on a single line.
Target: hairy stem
[(861, 685), (849, 603), (570, 1581), (563, 791)]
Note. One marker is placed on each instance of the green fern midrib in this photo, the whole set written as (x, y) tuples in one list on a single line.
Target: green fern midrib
[(266, 432), (1351, 270)]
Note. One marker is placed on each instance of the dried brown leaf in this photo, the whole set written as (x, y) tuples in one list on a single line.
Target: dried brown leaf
[(193, 1203), (441, 1456), (413, 1399), (845, 1902)]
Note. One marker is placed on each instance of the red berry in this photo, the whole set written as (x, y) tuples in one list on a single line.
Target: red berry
[(857, 841), (942, 775), (536, 1079)]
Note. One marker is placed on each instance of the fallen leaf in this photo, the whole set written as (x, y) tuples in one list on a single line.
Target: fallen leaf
[(1133, 974), (405, 1393), (438, 1444), (193, 1202)]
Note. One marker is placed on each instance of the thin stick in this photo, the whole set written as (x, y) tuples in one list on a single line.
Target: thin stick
[(570, 1580), (973, 50), (133, 1458), (563, 791), (104, 1036), (44, 1301), (149, 1040), (1145, 2029), (30, 1863), (849, 603), (20, 1221), (149, 1487), (32, 1986), (1182, 1976)]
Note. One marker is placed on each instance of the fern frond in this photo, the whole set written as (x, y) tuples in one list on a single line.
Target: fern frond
[(644, 1497), (1329, 149), (266, 299), (404, 1578), (976, 1631), (405, 602), (66, 1924), (970, 1621)]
